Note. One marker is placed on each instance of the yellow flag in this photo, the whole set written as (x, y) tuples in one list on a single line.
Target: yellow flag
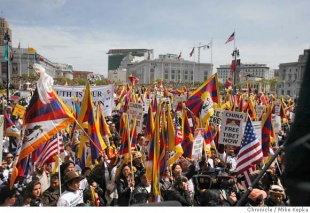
[(31, 49)]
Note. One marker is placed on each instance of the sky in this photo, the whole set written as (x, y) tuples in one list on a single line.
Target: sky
[(81, 32)]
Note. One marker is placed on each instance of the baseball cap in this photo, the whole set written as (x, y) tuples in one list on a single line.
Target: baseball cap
[(257, 195)]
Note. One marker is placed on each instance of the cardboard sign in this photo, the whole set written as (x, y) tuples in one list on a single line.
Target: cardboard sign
[(136, 111), (198, 143), (19, 111), (216, 118), (231, 128)]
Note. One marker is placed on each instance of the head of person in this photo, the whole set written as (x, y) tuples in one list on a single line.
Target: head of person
[(211, 197), (9, 158), (7, 195), (167, 171), (184, 165), (70, 166), (68, 147), (85, 172), (176, 169), (72, 181), (112, 127), (144, 180), (180, 183), (55, 181), (90, 197), (137, 158), (33, 189), (140, 139), (204, 166), (230, 149), (257, 197), (126, 170), (276, 194), (213, 153)]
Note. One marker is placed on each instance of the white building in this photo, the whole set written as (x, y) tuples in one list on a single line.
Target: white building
[(24, 59), (290, 75), (170, 69), (258, 70)]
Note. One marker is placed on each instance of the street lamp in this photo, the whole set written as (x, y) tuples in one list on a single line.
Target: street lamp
[(7, 40), (235, 54)]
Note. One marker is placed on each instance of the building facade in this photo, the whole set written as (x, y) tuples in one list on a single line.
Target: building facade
[(258, 70), (24, 59), (170, 68), (4, 28), (291, 74)]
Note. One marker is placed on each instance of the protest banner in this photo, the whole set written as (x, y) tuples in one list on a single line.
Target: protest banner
[(198, 143), (231, 128), (216, 118), (100, 94), (136, 111)]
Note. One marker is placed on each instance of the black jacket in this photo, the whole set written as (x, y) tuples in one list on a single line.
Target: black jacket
[(123, 191)]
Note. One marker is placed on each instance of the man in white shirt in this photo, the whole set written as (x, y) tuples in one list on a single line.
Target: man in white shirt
[(72, 196)]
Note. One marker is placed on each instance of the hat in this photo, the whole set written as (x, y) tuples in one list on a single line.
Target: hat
[(276, 189), (137, 155), (72, 175), (257, 195)]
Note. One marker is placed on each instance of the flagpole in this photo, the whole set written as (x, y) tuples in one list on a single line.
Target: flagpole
[(194, 66), (211, 44), (87, 135), (28, 60), (58, 152), (20, 59), (180, 70)]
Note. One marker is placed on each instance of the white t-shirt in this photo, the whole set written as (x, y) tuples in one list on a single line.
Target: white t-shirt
[(69, 198)]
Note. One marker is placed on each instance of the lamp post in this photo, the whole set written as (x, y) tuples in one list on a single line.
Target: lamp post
[(235, 54), (7, 39)]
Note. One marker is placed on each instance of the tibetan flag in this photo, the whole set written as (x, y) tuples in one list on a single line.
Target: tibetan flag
[(156, 157), (103, 126), (267, 132), (282, 112), (45, 116), (231, 38), (175, 145), (10, 128), (126, 136), (163, 142), (203, 101), (133, 79), (149, 126), (88, 121), (188, 138), (228, 82), (250, 109)]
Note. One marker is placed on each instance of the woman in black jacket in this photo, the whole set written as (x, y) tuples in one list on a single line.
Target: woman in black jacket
[(124, 185)]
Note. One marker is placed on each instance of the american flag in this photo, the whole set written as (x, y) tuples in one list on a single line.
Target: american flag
[(250, 152), (179, 56), (231, 38), (50, 150)]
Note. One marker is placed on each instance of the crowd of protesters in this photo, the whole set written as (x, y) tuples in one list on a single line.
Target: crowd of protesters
[(116, 181)]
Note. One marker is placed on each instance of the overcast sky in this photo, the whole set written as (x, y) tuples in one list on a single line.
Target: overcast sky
[(80, 32)]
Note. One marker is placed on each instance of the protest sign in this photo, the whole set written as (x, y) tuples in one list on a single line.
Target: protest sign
[(231, 128)]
